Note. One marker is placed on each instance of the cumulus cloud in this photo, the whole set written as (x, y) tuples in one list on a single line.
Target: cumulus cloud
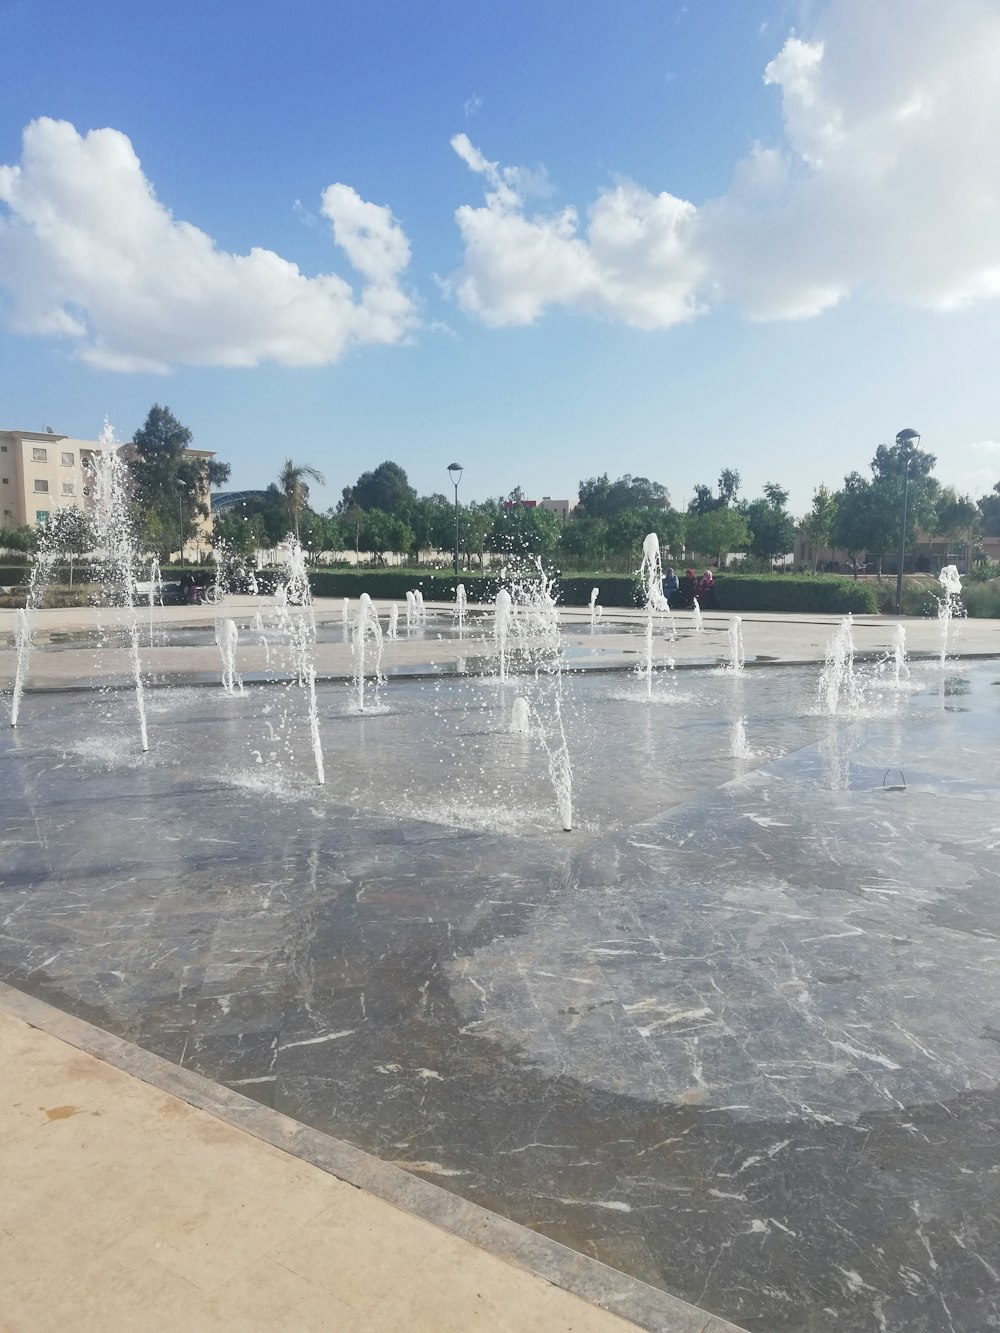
[(885, 182), (88, 253), (633, 260)]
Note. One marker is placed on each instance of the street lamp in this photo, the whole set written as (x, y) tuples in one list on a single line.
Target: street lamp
[(906, 442), (455, 472), (181, 488)]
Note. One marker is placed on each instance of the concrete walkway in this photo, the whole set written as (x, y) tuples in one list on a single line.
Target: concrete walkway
[(124, 1206), (768, 639)]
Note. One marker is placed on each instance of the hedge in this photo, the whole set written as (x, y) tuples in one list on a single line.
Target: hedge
[(809, 594), (733, 592)]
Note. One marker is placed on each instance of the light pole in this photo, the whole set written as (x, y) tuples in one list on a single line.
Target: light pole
[(906, 442), (181, 488), (455, 472)]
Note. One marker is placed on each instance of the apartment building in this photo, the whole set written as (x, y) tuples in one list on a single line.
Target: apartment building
[(41, 472)]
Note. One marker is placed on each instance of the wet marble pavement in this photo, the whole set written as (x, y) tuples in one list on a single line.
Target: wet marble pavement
[(739, 1036)]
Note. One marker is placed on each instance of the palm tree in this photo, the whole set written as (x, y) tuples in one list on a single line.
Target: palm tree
[(296, 492)]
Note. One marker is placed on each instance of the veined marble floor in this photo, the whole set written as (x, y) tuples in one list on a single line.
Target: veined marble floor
[(737, 1035)]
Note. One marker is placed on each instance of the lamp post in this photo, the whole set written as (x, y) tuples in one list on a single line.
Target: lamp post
[(455, 472), (906, 442), (181, 488)]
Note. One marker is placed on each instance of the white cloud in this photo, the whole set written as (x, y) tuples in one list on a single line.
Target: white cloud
[(88, 253), (886, 183), (634, 261)]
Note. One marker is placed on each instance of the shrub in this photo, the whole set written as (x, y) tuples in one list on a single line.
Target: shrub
[(982, 599), (825, 594)]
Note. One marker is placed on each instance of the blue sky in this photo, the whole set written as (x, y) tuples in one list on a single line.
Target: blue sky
[(763, 236)]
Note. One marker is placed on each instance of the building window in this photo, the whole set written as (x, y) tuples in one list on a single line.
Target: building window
[(4, 481), (41, 486), (3, 448), (68, 460), (69, 488), (39, 455), (41, 516)]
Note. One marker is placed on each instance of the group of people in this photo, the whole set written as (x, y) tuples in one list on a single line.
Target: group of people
[(681, 592)]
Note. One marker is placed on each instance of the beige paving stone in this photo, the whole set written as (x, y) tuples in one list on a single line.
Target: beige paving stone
[(124, 1208)]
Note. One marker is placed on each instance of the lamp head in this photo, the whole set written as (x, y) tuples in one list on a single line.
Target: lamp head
[(908, 439), (456, 470)]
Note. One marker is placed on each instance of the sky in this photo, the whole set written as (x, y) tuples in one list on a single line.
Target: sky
[(544, 239)]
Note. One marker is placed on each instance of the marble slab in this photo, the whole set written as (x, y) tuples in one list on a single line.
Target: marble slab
[(738, 1037)]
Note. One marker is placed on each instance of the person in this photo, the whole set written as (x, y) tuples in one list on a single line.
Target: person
[(670, 583), (688, 589), (705, 585), (186, 586)]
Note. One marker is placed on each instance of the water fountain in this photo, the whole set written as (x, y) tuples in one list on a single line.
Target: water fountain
[(696, 614), (393, 630), (737, 656), (739, 746), (366, 629), (411, 610), (418, 599), (155, 592), (838, 683), (345, 611), (502, 616), (949, 604), (227, 637), (379, 927), (900, 667), (460, 608), (520, 717), (595, 611)]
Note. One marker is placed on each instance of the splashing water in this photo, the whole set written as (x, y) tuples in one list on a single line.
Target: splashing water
[(696, 612), (116, 547), (502, 616), (155, 592), (418, 598), (949, 605), (838, 683), (899, 655), (293, 600), (460, 608), (647, 668), (520, 717), (227, 636), (22, 642), (737, 657), (411, 610), (739, 746), (393, 631), (595, 611), (366, 628)]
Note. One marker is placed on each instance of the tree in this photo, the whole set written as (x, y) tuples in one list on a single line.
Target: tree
[(717, 533), (477, 521), (817, 525), (958, 518), (989, 509), (601, 498), (69, 532), (853, 521), (521, 531), (169, 483), (386, 488), (583, 539), (295, 489), (772, 531), (729, 487)]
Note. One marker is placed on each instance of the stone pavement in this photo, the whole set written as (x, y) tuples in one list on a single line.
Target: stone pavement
[(124, 1207), (768, 638)]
